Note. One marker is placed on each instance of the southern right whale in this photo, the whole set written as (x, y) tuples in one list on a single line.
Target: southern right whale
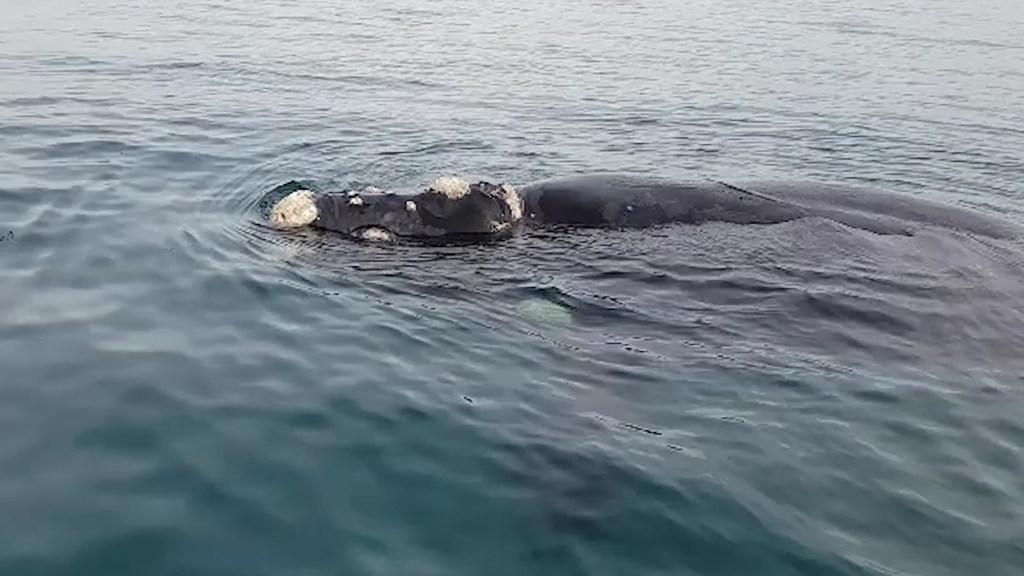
[(451, 207)]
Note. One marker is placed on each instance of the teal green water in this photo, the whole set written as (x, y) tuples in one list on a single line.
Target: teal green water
[(185, 391)]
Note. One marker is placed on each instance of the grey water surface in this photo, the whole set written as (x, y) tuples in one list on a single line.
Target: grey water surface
[(186, 391)]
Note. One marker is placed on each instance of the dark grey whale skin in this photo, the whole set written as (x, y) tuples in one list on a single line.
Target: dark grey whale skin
[(434, 215), (636, 201), (624, 201)]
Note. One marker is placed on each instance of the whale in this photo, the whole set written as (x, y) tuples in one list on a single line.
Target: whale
[(452, 207)]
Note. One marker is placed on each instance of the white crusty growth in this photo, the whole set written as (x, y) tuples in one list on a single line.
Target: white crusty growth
[(375, 234), (450, 186), (514, 201), (295, 210)]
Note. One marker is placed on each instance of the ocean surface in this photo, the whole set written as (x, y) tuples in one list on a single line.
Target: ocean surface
[(184, 391)]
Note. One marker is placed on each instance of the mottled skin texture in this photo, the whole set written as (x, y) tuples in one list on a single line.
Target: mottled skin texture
[(481, 211), (633, 201)]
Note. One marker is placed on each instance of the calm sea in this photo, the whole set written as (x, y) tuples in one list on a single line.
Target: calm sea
[(184, 391)]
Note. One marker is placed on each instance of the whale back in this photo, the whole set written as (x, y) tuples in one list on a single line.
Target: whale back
[(884, 212), (634, 201), (631, 201)]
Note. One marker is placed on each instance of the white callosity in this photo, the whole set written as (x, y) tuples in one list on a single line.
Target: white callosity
[(450, 186), (514, 201), (376, 235), (295, 210), (410, 206), (355, 201)]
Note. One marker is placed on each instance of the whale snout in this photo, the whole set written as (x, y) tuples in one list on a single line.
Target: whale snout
[(295, 210)]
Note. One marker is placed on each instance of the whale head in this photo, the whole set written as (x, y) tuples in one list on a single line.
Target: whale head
[(450, 206)]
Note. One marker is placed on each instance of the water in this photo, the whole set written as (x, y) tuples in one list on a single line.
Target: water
[(185, 391)]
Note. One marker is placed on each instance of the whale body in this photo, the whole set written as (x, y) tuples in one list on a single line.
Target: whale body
[(626, 201)]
